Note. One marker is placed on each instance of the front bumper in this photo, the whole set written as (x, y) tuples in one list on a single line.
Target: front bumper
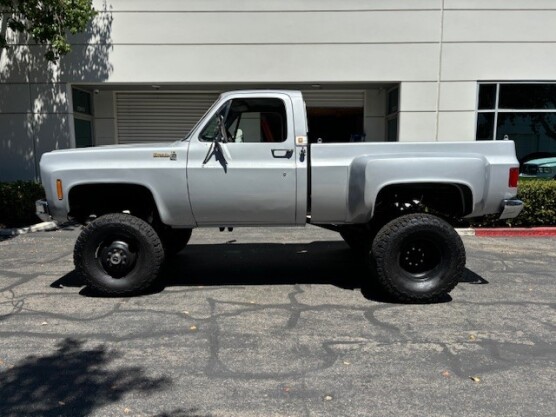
[(41, 210), (511, 208)]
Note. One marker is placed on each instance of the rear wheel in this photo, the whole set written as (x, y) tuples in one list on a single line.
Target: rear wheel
[(118, 254), (418, 257)]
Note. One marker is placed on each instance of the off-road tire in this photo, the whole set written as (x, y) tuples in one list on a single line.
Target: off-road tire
[(174, 240), (130, 236), (418, 258)]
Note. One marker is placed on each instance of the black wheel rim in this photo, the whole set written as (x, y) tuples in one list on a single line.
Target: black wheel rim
[(419, 256), (117, 255)]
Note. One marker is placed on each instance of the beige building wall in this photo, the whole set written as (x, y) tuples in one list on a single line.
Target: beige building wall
[(436, 49)]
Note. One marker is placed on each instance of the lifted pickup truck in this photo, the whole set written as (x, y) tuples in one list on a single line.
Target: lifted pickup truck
[(248, 162)]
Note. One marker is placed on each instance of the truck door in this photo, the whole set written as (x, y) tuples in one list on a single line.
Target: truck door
[(241, 164)]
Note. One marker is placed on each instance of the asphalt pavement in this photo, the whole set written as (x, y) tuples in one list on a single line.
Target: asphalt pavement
[(273, 322)]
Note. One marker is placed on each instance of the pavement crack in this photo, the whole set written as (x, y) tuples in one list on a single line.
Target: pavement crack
[(17, 306), (370, 315), (295, 307)]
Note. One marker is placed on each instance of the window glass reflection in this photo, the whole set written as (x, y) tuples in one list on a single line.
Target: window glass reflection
[(485, 126), (487, 96), (532, 132), (527, 96)]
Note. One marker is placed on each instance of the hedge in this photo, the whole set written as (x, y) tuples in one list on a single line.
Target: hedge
[(539, 197), (17, 203)]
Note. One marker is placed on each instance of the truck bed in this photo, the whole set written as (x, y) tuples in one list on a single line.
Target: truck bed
[(353, 174)]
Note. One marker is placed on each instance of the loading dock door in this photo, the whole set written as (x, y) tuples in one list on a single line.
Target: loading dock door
[(158, 116), (334, 115)]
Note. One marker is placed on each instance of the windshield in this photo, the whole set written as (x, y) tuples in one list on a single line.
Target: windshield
[(188, 135)]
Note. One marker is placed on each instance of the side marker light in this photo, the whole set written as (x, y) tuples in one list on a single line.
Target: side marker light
[(59, 189)]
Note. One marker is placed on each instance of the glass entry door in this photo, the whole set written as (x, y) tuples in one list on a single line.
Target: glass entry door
[(83, 133)]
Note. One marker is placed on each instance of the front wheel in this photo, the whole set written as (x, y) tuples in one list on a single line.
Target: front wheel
[(118, 254), (418, 257)]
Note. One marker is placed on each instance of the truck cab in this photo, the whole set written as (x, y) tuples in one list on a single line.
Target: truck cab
[(248, 162)]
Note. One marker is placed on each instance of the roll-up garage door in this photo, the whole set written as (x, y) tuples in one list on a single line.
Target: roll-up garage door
[(158, 117), (334, 98)]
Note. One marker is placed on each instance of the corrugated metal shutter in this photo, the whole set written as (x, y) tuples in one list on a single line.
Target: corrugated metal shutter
[(165, 116), (157, 116), (334, 98)]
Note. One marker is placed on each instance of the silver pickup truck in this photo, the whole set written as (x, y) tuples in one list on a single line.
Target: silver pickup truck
[(248, 162)]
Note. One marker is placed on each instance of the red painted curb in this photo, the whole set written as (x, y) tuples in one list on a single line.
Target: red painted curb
[(517, 232)]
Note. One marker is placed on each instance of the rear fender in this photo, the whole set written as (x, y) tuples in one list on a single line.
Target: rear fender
[(368, 175)]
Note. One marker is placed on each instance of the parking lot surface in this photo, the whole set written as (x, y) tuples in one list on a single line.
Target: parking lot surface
[(273, 322)]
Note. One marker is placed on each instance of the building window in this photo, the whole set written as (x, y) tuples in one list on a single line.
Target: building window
[(522, 112), (392, 114), (82, 118)]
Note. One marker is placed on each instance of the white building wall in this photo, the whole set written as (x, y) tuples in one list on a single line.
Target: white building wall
[(486, 40), (436, 49)]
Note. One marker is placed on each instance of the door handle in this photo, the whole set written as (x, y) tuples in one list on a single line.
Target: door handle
[(282, 153)]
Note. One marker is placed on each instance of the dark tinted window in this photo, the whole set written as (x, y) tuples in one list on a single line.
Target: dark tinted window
[(527, 96), (81, 101), (532, 132), (393, 100), (83, 133), (392, 130), (487, 96), (485, 126)]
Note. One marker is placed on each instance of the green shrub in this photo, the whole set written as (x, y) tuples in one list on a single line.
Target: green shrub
[(17, 203), (539, 197)]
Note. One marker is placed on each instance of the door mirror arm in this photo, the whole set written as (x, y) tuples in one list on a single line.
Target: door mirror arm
[(223, 137), (215, 147)]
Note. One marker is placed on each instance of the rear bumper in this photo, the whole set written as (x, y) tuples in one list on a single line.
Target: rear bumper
[(41, 210), (511, 208)]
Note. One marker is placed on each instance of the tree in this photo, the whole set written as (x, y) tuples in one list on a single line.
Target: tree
[(48, 21)]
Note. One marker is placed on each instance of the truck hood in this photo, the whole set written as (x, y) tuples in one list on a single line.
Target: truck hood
[(136, 146), (95, 157)]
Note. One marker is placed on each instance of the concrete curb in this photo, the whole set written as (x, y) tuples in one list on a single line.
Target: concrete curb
[(465, 231), (516, 232), (509, 232), (39, 227)]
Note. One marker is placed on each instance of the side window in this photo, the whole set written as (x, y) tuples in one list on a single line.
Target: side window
[(251, 120)]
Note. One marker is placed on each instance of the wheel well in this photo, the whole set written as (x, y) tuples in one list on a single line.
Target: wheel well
[(97, 199), (447, 200)]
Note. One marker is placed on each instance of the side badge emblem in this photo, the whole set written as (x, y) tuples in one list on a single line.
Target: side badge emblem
[(173, 156)]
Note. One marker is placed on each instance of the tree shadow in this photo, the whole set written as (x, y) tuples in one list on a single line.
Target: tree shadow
[(323, 262), (73, 381), (35, 112)]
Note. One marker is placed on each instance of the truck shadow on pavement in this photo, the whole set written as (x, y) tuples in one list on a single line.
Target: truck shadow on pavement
[(323, 262), (72, 381)]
